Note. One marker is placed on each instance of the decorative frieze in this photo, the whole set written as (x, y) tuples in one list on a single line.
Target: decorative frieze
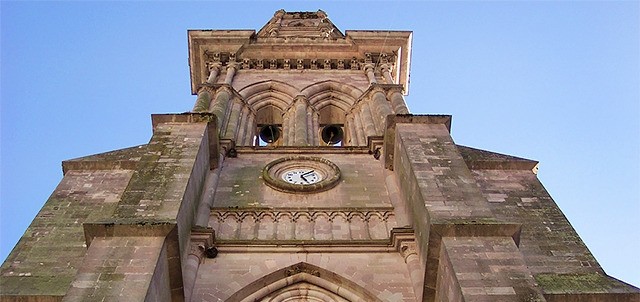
[(353, 63), (303, 224)]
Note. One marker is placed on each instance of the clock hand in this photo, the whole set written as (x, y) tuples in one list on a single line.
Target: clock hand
[(303, 174)]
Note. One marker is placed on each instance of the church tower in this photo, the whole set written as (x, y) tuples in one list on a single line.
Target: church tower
[(300, 175)]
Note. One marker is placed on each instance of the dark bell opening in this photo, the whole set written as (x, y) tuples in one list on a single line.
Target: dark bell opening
[(269, 133), (332, 134)]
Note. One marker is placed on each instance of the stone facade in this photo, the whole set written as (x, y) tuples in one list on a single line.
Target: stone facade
[(411, 216)]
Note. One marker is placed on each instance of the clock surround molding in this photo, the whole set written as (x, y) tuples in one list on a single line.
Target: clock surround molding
[(273, 171)]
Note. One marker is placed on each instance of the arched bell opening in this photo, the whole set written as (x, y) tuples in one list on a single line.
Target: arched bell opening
[(331, 120), (303, 280), (268, 126)]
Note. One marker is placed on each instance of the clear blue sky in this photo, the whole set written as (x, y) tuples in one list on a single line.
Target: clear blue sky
[(558, 82)]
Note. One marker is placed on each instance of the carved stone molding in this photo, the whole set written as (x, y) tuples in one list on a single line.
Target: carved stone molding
[(218, 60), (312, 224), (300, 268), (311, 214)]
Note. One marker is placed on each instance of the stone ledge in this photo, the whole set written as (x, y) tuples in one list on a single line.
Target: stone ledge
[(477, 228), (123, 159), (195, 117), (398, 237), (462, 228), (590, 287), (34, 288), (129, 228), (390, 131), (477, 159), (303, 149)]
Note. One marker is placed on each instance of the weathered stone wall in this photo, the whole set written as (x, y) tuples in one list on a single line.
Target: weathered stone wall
[(362, 184), (384, 275), (47, 257), (562, 265), (548, 242), (438, 188), (483, 269), (155, 200), (122, 268)]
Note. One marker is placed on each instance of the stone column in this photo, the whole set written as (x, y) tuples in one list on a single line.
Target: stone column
[(201, 239), (287, 128), (386, 73), (368, 69), (367, 122), (250, 129), (231, 72), (416, 272), (192, 264), (353, 139), (397, 101), (202, 101), (300, 121), (242, 130), (234, 116), (219, 105), (204, 96), (214, 71), (207, 198), (359, 130), (381, 107), (316, 128)]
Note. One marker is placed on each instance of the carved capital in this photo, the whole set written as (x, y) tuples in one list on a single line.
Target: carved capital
[(206, 88), (393, 90), (233, 65), (368, 67), (201, 239), (301, 99), (386, 67), (211, 66), (377, 88), (408, 248), (224, 88)]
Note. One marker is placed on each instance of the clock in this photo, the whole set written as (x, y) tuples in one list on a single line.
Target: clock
[(301, 174)]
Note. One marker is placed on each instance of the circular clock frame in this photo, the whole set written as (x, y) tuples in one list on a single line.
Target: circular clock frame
[(328, 172)]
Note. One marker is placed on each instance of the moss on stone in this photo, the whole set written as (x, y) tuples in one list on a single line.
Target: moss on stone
[(578, 283)]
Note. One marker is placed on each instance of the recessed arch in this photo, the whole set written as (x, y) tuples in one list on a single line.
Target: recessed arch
[(327, 283), (303, 291), (269, 85), (329, 101), (352, 92)]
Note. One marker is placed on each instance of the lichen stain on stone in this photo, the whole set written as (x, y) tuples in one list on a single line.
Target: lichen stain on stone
[(574, 283)]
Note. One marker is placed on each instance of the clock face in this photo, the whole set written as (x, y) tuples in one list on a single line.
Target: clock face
[(301, 176)]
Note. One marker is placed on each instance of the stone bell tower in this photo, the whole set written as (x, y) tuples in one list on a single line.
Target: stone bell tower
[(296, 76), (300, 175)]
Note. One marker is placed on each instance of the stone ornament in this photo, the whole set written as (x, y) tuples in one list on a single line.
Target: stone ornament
[(301, 174)]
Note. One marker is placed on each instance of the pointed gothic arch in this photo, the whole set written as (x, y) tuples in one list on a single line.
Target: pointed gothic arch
[(339, 94), (303, 280), (266, 86), (350, 90)]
